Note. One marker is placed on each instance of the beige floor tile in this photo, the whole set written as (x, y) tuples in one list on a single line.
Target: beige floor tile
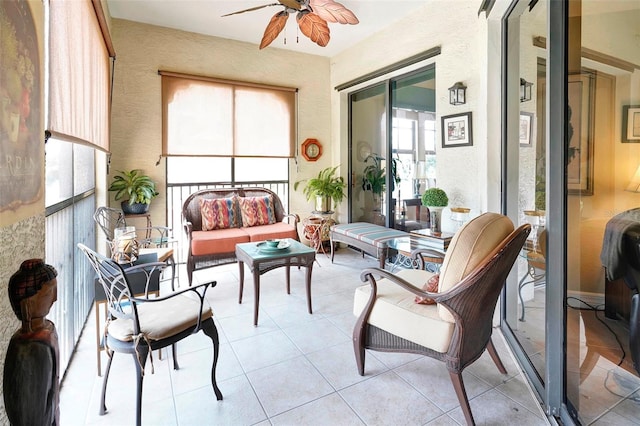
[(328, 410), (493, 408), (431, 378), (315, 335), (387, 399), (287, 385), (240, 405), (338, 365), (264, 350)]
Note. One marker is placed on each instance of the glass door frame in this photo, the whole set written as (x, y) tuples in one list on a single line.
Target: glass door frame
[(388, 82), (552, 387)]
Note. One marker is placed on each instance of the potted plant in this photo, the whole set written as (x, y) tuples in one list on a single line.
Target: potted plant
[(324, 188), (435, 199), (373, 176), (139, 189)]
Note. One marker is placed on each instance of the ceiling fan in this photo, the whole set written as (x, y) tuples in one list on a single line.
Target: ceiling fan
[(312, 17)]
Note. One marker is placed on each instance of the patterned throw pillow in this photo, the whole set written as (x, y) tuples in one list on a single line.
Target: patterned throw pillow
[(432, 287), (219, 213), (257, 210)]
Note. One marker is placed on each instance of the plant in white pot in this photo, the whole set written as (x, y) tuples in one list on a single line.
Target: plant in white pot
[(326, 187), (138, 188), (436, 200)]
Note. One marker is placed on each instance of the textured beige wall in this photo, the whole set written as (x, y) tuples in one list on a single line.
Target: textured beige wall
[(142, 50)]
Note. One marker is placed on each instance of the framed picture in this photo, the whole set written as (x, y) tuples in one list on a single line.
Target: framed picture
[(580, 133), (631, 124), (526, 128), (457, 130)]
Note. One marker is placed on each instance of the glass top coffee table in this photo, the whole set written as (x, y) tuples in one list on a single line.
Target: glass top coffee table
[(405, 245), (260, 259)]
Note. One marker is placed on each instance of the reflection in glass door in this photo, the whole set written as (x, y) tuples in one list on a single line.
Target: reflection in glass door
[(603, 272), (368, 152), (526, 298), (570, 314), (413, 141), (407, 150)]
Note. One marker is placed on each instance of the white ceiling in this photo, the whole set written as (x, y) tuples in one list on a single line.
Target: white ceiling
[(205, 17)]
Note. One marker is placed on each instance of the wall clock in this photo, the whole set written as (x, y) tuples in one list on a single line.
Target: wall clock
[(311, 149)]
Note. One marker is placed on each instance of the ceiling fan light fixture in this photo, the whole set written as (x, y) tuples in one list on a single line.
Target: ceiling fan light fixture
[(312, 18)]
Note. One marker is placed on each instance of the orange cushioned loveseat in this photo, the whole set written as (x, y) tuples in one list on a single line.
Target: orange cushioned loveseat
[(215, 220)]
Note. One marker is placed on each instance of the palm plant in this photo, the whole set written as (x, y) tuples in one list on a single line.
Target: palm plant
[(373, 176), (324, 186)]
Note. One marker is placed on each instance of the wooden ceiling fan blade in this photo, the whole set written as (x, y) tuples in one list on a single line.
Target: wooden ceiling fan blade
[(332, 11), (252, 9), (314, 27), (275, 26)]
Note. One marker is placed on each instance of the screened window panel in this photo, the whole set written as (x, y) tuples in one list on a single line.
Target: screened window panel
[(59, 175), (205, 116), (261, 169), (198, 169), (84, 177)]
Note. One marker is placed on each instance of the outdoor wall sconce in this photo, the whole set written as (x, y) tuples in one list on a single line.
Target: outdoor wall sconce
[(457, 94), (525, 90)]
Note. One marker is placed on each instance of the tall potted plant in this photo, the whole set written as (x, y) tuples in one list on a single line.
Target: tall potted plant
[(325, 187), (138, 188), (435, 199)]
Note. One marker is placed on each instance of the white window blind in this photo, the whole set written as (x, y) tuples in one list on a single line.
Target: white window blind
[(79, 50), (204, 116)]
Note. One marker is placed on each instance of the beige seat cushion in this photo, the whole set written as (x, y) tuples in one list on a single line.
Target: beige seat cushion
[(396, 312), (469, 246), (159, 320)]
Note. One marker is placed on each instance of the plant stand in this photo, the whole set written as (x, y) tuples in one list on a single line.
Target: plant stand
[(317, 229)]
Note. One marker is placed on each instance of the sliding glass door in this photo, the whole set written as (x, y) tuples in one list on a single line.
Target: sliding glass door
[(392, 142), (572, 155)]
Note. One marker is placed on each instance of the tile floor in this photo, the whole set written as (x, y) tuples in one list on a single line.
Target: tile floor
[(293, 368)]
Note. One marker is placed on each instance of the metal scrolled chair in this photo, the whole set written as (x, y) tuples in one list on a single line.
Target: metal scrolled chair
[(457, 328), (155, 241), (138, 325)]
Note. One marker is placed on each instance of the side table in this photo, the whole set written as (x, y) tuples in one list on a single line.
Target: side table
[(261, 259)]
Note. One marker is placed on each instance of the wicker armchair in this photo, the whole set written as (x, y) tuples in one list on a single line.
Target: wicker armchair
[(457, 328)]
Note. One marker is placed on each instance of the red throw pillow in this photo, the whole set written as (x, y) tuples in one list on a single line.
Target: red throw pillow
[(219, 213), (432, 287), (257, 211)]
